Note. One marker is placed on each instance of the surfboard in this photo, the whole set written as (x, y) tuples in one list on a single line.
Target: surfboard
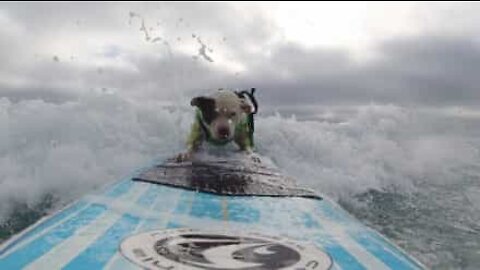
[(209, 214)]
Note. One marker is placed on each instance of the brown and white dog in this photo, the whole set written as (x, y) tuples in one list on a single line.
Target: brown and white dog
[(220, 118)]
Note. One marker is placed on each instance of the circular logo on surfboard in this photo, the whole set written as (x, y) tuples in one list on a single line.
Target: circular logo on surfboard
[(194, 249)]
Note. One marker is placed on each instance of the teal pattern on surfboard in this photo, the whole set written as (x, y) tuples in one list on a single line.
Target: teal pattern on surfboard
[(73, 239)]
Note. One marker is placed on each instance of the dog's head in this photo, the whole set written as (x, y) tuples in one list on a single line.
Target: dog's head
[(221, 113)]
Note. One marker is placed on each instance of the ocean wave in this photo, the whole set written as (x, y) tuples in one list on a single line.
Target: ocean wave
[(387, 164)]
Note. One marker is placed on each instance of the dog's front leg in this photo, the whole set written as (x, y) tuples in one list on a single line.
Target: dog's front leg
[(194, 140), (244, 143)]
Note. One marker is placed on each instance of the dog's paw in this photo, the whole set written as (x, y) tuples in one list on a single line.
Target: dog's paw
[(256, 159), (252, 156), (182, 157)]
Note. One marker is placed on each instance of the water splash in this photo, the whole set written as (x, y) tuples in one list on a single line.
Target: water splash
[(202, 51), (408, 174)]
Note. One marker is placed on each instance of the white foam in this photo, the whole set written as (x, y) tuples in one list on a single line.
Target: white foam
[(380, 147), (68, 149)]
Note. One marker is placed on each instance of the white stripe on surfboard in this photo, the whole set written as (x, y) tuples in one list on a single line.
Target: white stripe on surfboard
[(44, 231), (118, 262), (63, 253), (47, 229), (340, 235), (210, 224)]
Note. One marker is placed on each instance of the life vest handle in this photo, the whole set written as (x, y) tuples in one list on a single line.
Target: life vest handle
[(251, 96), (251, 121)]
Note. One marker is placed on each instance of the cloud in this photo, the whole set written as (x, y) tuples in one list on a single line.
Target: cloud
[(102, 46), (427, 70)]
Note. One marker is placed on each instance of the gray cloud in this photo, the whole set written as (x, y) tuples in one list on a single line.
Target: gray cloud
[(428, 68)]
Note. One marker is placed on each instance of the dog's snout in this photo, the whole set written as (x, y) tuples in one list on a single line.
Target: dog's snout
[(223, 131)]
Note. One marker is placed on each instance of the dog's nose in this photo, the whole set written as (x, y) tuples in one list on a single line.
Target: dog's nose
[(223, 132)]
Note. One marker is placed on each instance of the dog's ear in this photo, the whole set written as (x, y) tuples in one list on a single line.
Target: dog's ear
[(203, 102), (206, 106)]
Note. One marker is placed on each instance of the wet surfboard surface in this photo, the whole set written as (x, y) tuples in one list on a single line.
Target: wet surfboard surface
[(226, 177), (148, 224)]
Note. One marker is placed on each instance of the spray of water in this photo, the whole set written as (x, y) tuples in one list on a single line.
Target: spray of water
[(50, 154)]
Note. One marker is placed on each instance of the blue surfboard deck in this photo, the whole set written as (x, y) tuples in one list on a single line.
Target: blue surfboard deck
[(87, 234)]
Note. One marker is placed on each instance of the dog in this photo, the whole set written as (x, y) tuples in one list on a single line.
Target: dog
[(220, 119)]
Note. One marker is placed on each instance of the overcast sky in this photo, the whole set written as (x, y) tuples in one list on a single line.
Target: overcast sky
[(296, 53)]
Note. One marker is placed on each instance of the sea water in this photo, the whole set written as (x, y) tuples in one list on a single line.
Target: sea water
[(411, 174)]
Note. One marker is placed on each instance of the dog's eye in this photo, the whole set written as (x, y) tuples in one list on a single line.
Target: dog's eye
[(232, 114)]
